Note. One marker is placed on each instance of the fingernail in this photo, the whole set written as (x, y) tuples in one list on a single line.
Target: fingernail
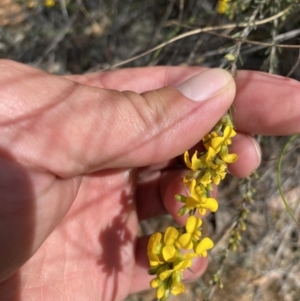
[(205, 84), (257, 149)]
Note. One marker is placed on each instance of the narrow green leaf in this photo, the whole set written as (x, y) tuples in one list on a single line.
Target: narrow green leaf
[(279, 163)]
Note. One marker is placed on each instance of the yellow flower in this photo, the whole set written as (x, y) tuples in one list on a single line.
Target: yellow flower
[(207, 177), (207, 138), (219, 173), (162, 292), (217, 142), (177, 286), (49, 3), (178, 268), (195, 164), (204, 245), (223, 6), (225, 156), (191, 226), (169, 251), (170, 279), (209, 158), (170, 236), (154, 249), (161, 248), (200, 201), (155, 282)]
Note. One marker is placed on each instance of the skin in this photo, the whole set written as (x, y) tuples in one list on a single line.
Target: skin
[(82, 163)]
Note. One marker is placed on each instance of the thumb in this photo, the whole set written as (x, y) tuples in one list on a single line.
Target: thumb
[(148, 128), (73, 129)]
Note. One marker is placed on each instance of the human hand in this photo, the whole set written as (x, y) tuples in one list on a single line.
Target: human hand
[(80, 166)]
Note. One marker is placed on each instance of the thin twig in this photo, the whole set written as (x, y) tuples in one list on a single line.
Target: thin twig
[(200, 30), (260, 45), (264, 44), (56, 40), (244, 34), (294, 66), (272, 57)]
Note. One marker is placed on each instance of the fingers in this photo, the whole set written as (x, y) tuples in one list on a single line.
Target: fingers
[(138, 80), (141, 279), (267, 104), (153, 196), (249, 155), (83, 119), (86, 129)]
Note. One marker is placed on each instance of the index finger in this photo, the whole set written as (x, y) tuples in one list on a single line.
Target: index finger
[(138, 80), (267, 104)]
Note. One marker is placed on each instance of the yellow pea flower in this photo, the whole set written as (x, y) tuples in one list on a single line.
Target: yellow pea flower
[(177, 286), (229, 133), (155, 282), (207, 177), (169, 251), (178, 268), (162, 292), (217, 142), (154, 249), (225, 156), (170, 236), (201, 202), (207, 138), (219, 173), (193, 164), (209, 158), (192, 225), (204, 245)]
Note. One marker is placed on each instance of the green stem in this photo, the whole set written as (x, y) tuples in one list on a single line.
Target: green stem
[(279, 163)]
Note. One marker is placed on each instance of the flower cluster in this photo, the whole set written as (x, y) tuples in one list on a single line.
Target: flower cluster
[(167, 259), (208, 168), (171, 252)]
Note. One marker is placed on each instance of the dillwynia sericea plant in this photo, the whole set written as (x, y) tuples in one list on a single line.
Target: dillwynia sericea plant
[(171, 252)]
